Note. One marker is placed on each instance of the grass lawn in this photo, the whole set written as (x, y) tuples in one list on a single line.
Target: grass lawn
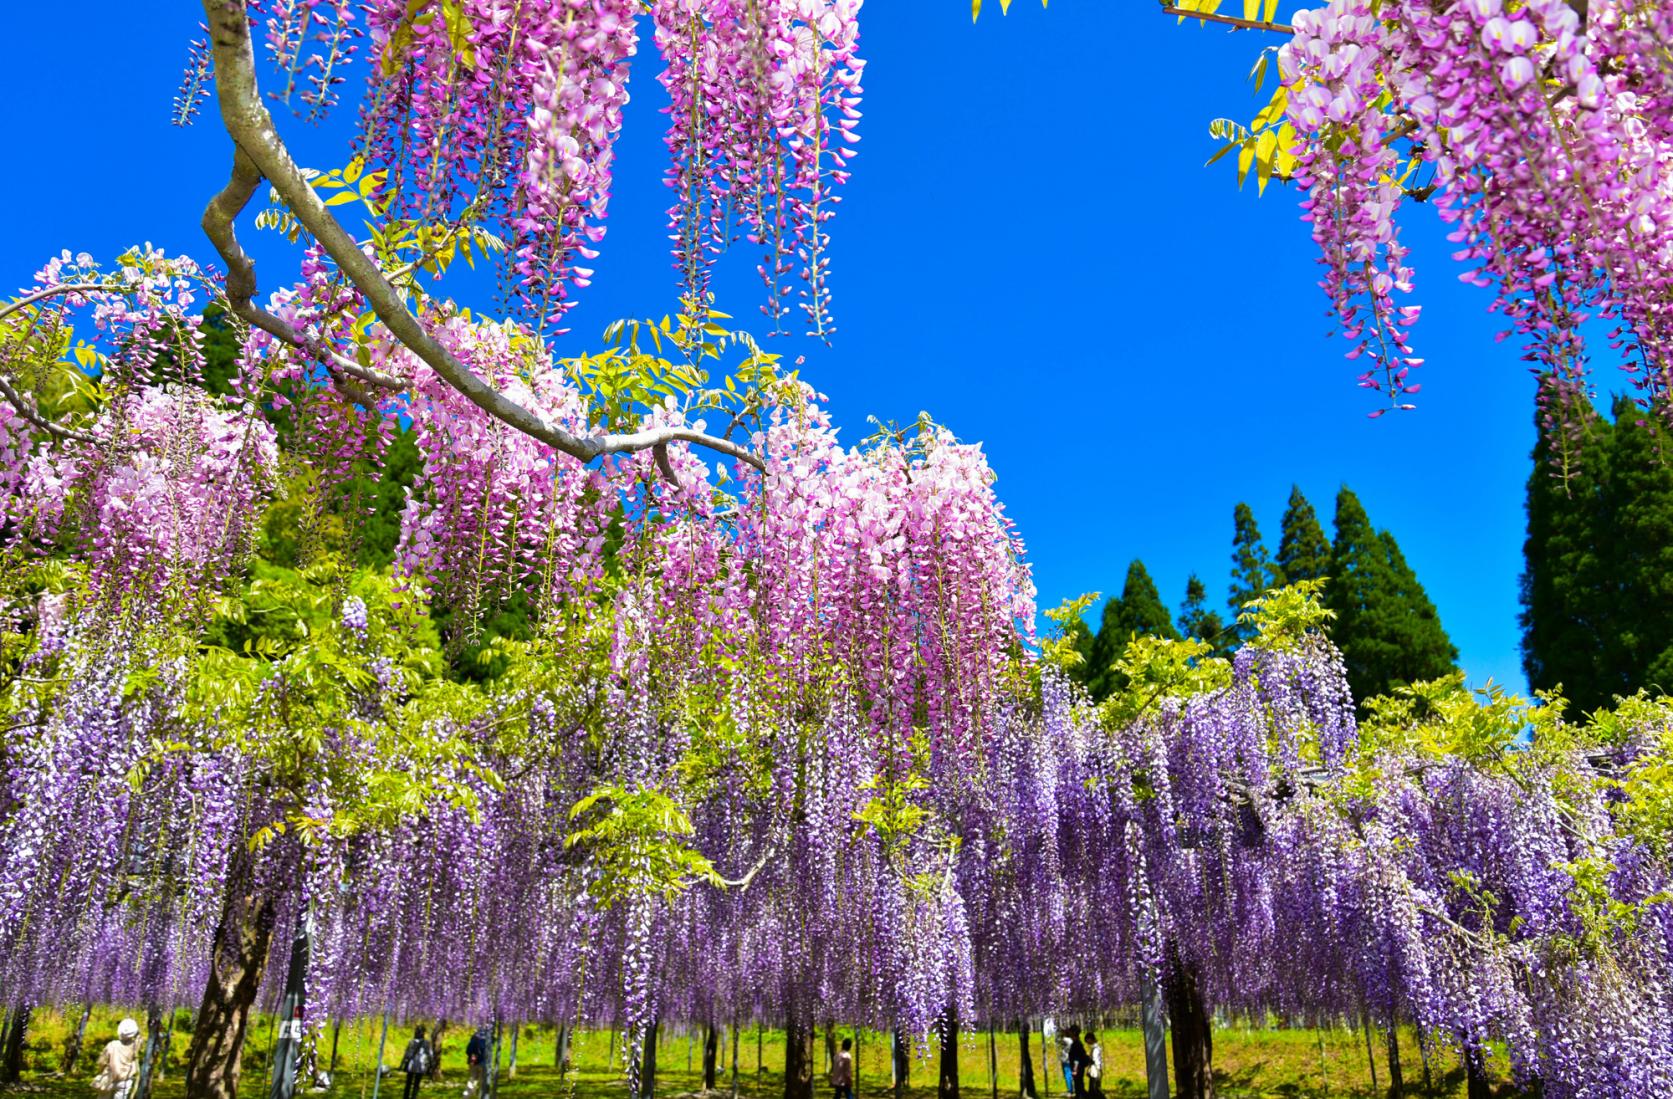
[(1249, 1063)]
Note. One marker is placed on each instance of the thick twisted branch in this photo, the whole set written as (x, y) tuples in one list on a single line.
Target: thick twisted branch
[(218, 218), (252, 129)]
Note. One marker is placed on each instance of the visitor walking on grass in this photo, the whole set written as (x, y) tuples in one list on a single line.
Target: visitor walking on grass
[(842, 1071), (1094, 1067), (476, 1056), (119, 1063), (1066, 1059), (415, 1062)]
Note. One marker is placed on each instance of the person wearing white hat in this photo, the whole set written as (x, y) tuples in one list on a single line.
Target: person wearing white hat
[(119, 1063)]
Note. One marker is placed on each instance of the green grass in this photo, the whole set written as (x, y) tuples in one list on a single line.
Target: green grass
[(1249, 1062)]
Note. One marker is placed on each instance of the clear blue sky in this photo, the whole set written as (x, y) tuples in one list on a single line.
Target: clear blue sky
[(1031, 250)]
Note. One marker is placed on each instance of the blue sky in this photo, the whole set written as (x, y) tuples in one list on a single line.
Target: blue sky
[(1031, 249)]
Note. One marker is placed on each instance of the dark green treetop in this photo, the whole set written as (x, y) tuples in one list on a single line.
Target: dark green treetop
[(1303, 550)]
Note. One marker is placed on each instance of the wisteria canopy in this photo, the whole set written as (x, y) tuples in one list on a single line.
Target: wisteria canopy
[(771, 737)]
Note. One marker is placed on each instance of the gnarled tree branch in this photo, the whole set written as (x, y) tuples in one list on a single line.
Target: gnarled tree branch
[(251, 127), (218, 218)]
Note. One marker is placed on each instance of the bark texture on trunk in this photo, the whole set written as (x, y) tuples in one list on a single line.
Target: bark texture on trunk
[(11, 1054), (946, 1086), (1025, 1063), (239, 956), (72, 1044), (798, 1060), (711, 1056), (1396, 1078), (1475, 1072), (902, 1063), (1193, 1039), (647, 1063)]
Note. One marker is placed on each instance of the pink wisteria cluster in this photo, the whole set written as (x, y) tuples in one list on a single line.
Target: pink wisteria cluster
[(503, 114), (1540, 130), (764, 103)]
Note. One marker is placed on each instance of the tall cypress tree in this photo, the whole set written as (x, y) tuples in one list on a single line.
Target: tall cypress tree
[(1253, 572), (1568, 596), (1638, 531), (1303, 550), (1139, 611), (1386, 626), (1196, 620)]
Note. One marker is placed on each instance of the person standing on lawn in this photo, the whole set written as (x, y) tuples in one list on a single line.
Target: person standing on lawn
[(415, 1062), (842, 1071), (119, 1063), (476, 1056), (1094, 1067)]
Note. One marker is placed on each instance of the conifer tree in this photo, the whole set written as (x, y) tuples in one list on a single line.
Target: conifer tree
[(1638, 533), (1567, 594), (1253, 572), (1196, 620), (1139, 611), (1387, 628), (1303, 550)]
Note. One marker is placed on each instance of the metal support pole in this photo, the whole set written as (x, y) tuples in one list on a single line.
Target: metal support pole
[(377, 1069), (1155, 1042), (289, 1045)]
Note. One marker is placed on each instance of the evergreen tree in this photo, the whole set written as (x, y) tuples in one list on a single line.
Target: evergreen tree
[(1567, 589), (1638, 533), (1303, 550), (1139, 611), (1387, 628), (1196, 620), (1253, 572)]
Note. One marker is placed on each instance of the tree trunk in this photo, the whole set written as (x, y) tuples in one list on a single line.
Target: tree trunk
[(1396, 1078), (830, 1047), (1193, 1040), (11, 1055), (902, 1063), (1475, 1071), (336, 1031), (560, 1057), (511, 1060), (167, 1046), (647, 1063), (1370, 1054), (947, 1084), (148, 1064), (1025, 1063), (72, 1044), (435, 1044), (237, 959), (711, 1056), (798, 1060)]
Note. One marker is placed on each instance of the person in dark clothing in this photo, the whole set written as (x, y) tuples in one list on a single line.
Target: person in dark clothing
[(476, 1055), (416, 1063), (1078, 1059)]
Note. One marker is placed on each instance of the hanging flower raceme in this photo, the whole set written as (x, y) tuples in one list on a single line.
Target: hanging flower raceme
[(1544, 143)]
